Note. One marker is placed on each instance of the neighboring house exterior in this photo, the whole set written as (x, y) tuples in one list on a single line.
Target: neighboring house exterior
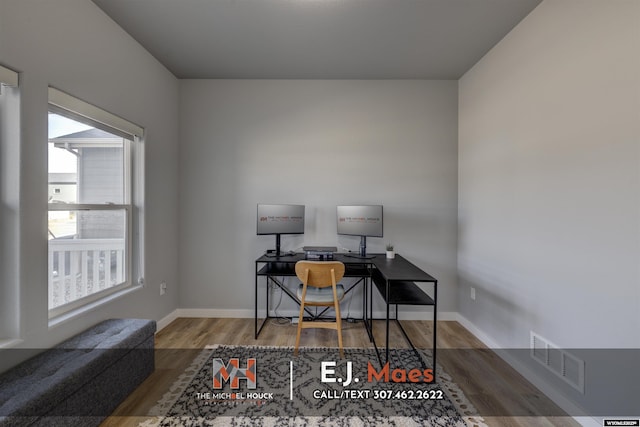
[(99, 180), (63, 188)]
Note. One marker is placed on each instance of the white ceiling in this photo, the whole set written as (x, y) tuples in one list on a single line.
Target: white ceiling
[(318, 39)]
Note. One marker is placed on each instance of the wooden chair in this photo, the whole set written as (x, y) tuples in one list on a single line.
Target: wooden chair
[(319, 288)]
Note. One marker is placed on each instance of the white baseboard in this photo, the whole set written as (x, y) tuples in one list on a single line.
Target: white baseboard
[(164, 322), (565, 404), (248, 314), (215, 312), (403, 315), (419, 315)]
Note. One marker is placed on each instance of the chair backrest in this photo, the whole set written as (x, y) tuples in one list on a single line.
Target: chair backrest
[(318, 273)]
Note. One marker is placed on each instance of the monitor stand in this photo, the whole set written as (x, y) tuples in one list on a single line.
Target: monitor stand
[(277, 253), (363, 250)]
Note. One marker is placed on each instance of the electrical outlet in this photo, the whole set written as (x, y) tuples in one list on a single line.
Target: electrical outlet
[(163, 288), (473, 294), (294, 320)]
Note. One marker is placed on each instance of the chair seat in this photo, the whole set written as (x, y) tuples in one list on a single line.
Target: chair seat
[(320, 295)]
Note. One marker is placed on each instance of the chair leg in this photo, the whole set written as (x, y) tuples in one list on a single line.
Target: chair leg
[(339, 328), (300, 320)]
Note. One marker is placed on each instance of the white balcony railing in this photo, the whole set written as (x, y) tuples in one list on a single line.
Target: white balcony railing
[(81, 267)]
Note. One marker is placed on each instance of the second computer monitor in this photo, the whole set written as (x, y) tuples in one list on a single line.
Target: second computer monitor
[(360, 220)]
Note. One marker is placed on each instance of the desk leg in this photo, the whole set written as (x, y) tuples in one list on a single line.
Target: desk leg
[(255, 306), (366, 317), (364, 303), (371, 336), (435, 325), (371, 310), (387, 326)]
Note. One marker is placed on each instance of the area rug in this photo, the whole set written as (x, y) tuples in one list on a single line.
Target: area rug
[(269, 386)]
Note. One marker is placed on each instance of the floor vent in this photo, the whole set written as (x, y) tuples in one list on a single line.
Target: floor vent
[(558, 361)]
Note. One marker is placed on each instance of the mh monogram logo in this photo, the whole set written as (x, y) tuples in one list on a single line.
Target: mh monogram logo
[(232, 373)]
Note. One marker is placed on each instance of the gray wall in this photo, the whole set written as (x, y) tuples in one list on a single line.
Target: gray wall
[(321, 144), (549, 183), (73, 46), (549, 179)]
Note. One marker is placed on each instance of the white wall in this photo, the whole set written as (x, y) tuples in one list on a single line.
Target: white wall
[(549, 181), (321, 144), (74, 46)]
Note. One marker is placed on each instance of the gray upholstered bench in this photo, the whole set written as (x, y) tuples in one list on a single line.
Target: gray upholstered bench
[(82, 380)]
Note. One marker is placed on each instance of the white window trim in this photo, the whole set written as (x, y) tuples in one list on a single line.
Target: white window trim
[(92, 113), (9, 264), (8, 77), (69, 106)]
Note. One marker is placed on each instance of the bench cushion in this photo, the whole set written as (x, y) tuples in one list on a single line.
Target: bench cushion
[(41, 384)]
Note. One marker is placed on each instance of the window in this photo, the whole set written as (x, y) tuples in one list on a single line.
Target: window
[(94, 199), (9, 205)]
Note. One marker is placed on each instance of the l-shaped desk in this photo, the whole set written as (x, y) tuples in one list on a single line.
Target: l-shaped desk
[(394, 278)]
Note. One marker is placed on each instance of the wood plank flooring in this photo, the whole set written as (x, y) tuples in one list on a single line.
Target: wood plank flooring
[(490, 384)]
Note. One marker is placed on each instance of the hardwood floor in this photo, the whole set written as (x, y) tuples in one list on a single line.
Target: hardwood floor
[(490, 384)]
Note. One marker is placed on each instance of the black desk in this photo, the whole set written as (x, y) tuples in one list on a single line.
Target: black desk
[(272, 267), (394, 278)]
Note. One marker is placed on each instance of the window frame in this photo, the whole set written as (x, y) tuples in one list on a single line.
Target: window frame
[(8, 77), (68, 106), (9, 196)]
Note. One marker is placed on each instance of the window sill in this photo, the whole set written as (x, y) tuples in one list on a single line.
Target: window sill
[(10, 342), (62, 318)]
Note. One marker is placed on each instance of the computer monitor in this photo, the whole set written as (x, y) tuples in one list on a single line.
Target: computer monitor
[(361, 220), (280, 219)]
